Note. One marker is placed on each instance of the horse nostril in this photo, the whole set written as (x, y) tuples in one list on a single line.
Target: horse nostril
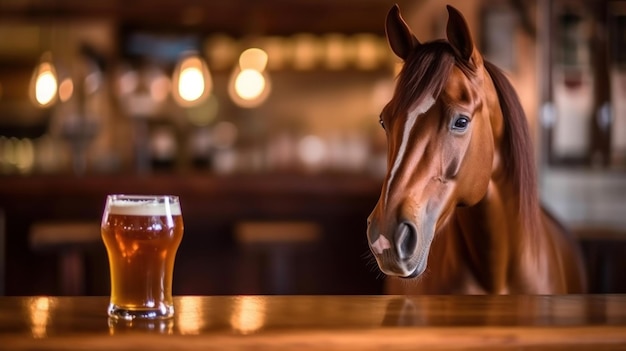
[(406, 240)]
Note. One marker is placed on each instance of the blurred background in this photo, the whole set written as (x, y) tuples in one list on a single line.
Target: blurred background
[(263, 117)]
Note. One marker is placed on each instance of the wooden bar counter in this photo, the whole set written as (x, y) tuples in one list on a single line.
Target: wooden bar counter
[(590, 322)]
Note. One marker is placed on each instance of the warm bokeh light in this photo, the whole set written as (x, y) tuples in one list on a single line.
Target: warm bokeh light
[(306, 51), (337, 50), (190, 316), (249, 88), (249, 314), (191, 84), (368, 51), (39, 313), (66, 89), (279, 49), (249, 84), (191, 81), (45, 89), (160, 88), (253, 59), (24, 155)]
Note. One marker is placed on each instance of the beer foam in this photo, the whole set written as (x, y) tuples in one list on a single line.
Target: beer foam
[(143, 208)]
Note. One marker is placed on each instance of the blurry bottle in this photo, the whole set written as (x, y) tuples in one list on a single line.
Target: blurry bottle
[(573, 84)]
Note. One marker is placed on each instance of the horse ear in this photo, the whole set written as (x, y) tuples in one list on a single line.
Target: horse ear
[(400, 38), (459, 34)]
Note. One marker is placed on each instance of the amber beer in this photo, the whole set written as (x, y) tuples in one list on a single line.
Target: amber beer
[(141, 235)]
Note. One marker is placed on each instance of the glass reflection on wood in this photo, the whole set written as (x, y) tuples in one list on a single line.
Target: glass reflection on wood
[(248, 314), (39, 311), (189, 317)]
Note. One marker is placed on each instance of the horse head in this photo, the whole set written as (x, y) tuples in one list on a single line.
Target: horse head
[(441, 136)]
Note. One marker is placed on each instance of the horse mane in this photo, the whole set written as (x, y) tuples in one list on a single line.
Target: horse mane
[(426, 70), (517, 148)]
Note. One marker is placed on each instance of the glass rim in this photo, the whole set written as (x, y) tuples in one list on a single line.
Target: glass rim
[(139, 197), (142, 205)]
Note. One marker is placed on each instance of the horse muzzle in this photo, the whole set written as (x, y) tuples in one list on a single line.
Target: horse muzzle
[(404, 255)]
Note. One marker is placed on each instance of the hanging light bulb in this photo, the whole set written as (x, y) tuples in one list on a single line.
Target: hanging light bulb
[(44, 84), (249, 84), (253, 58), (191, 82)]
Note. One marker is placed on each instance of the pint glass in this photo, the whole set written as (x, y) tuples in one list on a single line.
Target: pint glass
[(141, 235)]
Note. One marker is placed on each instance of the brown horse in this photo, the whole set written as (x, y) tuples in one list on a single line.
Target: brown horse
[(459, 209)]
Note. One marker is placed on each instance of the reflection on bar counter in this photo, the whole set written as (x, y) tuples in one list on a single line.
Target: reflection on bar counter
[(40, 309)]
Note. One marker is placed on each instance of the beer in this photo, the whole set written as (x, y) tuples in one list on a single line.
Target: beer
[(141, 235)]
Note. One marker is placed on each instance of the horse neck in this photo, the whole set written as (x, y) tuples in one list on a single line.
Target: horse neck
[(505, 197), (490, 237), (495, 233)]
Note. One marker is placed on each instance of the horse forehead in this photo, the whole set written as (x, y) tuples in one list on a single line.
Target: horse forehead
[(459, 88)]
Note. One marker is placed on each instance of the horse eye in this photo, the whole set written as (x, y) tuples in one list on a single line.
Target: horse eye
[(382, 124), (460, 124)]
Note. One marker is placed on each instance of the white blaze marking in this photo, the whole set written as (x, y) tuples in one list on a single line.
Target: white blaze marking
[(418, 110), (381, 244)]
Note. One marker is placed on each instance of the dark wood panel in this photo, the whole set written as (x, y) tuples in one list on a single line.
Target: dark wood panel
[(237, 17)]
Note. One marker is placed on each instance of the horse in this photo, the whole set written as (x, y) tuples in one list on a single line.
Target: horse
[(459, 211)]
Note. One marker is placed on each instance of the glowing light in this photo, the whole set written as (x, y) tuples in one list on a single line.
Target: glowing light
[(39, 313), (190, 316), (249, 88), (337, 50), (24, 155), (45, 84), (253, 59), (279, 49), (66, 89), (191, 84), (368, 51), (306, 51), (249, 314), (249, 84), (192, 81)]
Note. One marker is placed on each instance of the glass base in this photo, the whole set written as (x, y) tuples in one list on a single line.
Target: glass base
[(128, 314), (153, 326)]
